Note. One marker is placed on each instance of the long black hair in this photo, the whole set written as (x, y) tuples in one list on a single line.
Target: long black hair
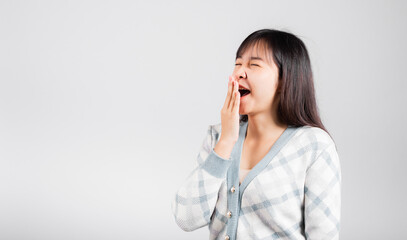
[(297, 105)]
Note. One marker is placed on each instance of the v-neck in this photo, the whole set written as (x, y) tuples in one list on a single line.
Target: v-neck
[(275, 148)]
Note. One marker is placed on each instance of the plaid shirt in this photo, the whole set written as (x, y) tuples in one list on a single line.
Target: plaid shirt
[(294, 192)]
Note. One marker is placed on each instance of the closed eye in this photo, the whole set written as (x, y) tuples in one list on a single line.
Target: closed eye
[(250, 64)]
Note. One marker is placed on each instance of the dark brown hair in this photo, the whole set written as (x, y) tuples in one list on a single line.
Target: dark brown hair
[(297, 105)]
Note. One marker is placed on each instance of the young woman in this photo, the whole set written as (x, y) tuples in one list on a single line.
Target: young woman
[(270, 169)]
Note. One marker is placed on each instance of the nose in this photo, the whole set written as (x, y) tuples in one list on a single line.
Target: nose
[(241, 73)]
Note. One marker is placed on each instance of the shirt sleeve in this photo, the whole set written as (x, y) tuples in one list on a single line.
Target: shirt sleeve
[(194, 202), (322, 196)]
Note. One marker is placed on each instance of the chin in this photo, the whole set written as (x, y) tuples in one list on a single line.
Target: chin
[(243, 113)]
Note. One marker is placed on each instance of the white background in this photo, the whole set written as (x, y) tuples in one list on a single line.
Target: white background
[(104, 105)]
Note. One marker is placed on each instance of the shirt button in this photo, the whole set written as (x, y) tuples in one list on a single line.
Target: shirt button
[(233, 189), (229, 214), (227, 237)]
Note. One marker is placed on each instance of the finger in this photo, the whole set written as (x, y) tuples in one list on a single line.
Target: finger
[(227, 100), (233, 96), (237, 102), (232, 89)]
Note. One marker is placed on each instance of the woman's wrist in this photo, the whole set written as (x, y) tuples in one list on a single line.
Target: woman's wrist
[(224, 148)]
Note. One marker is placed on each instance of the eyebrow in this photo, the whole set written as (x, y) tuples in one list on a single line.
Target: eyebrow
[(252, 58)]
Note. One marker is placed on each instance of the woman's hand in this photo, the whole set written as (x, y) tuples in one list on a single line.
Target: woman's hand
[(230, 113)]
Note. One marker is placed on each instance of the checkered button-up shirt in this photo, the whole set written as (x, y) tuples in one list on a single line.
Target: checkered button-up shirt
[(294, 192)]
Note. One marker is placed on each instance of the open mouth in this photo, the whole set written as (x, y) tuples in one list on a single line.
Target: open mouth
[(243, 92)]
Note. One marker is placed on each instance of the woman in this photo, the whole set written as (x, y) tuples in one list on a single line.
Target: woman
[(270, 169)]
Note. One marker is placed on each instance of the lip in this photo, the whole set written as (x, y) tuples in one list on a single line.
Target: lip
[(241, 86)]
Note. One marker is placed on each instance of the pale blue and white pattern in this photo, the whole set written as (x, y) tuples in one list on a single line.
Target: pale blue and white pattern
[(294, 192)]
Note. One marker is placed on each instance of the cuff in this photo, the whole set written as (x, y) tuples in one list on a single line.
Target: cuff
[(216, 165)]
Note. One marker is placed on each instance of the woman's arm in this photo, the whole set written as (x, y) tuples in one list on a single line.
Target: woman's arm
[(322, 206), (194, 202)]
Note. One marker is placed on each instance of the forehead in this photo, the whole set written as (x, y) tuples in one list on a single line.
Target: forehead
[(256, 51)]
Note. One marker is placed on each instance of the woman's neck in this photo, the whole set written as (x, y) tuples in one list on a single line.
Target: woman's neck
[(261, 127)]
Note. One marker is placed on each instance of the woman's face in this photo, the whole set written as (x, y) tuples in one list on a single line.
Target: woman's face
[(254, 72)]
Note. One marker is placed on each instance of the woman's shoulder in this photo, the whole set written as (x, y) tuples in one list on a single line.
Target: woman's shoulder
[(313, 137), (215, 131), (216, 127)]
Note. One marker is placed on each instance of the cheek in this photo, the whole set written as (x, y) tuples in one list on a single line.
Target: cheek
[(265, 92)]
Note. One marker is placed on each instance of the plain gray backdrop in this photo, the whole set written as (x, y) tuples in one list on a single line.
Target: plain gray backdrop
[(104, 105)]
